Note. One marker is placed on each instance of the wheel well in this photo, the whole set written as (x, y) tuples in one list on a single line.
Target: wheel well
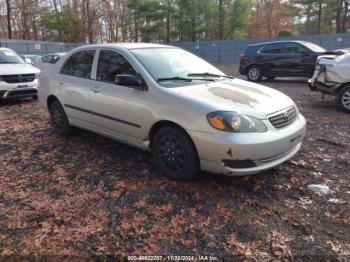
[(50, 99), (157, 126), (248, 67), (343, 86)]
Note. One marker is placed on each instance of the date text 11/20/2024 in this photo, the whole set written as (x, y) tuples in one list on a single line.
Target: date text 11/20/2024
[(173, 258)]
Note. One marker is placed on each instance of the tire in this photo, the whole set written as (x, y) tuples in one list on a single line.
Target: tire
[(270, 78), (254, 73), (175, 154), (59, 120), (343, 99)]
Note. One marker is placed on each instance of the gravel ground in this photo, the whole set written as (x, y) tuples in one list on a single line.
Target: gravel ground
[(87, 195)]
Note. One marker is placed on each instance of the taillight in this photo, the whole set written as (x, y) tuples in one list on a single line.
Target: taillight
[(241, 56)]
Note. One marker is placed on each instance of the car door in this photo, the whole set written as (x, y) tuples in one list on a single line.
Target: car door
[(270, 59), (116, 108), (76, 85), (297, 59)]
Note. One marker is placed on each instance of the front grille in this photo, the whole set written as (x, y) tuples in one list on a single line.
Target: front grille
[(283, 118), (12, 79)]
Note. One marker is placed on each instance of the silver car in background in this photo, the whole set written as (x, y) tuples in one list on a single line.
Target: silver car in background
[(45, 62), (165, 99)]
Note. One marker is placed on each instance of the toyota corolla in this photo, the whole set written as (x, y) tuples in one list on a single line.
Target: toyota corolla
[(164, 99)]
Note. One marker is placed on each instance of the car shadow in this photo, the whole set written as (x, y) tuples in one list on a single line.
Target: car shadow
[(286, 80)]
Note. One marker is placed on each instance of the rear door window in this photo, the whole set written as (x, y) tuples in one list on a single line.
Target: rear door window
[(79, 64), (276, 48), (110, 64)]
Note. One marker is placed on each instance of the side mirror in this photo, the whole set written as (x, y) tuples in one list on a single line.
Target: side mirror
[(128, 80)]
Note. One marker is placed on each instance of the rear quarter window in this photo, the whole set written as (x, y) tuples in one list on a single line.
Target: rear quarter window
[(252, 49)]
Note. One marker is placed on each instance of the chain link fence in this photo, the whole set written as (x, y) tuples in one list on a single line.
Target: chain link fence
[(228, 51)]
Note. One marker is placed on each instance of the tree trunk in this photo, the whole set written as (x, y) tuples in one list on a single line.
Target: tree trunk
[(221, 20), (193, 22), (135, 26), (9, 30), (319, 20), (168, 22), (181, 21), (345, 15)]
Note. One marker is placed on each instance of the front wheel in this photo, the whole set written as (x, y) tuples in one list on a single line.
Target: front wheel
[(254, 74), (343, 99), (175, 154), (59, 120)]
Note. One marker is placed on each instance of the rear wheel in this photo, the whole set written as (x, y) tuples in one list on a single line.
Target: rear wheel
[(254, 73), (59, 120), (175, 154), (343, 99)]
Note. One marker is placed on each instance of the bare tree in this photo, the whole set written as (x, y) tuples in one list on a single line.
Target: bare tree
[(8, 16)]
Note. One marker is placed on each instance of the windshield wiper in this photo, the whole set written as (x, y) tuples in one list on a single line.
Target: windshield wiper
[(174, 78), (209, 74)]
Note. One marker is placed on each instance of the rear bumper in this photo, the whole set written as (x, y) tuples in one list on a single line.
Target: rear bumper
[(242, 69), (249, 153)]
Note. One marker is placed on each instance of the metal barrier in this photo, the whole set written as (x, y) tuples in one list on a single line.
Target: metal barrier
[(24, 47), (224, 51), (228, 51)]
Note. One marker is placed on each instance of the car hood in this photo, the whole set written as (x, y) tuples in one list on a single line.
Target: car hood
[(15, 69), (237, 95)]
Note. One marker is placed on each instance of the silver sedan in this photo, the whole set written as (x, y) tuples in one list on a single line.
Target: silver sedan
[(167, 100)]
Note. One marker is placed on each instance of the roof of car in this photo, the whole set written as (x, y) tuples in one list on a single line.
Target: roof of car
[(59, 53), (5, 49), (285, 41), (130, 45)]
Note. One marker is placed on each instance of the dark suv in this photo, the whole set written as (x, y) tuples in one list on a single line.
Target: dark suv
[(283, 58)]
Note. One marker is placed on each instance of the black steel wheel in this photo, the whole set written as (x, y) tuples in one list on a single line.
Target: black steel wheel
[(59, 120), (175, 154)]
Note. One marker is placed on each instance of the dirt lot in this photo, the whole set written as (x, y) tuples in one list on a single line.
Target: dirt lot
[(89, 195)]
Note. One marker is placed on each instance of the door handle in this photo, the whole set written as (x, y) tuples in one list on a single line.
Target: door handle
[(61, 83), (96, 89)]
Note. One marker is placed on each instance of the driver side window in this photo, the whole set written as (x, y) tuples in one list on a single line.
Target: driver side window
[(110, 64)]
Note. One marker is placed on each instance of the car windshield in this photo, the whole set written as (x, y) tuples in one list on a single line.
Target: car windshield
[(10, 57), (314, 47), (169, 65)]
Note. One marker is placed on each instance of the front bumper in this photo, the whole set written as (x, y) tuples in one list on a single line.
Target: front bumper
[(13, 91), (249, 153)]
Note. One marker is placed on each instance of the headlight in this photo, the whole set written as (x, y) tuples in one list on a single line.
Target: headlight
[(234, 122), (37, 75)]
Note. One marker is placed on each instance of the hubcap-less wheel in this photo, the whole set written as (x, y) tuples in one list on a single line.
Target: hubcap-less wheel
[(171, 153), (57, 117), (346, 99), (59, 120), (175, 153)]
